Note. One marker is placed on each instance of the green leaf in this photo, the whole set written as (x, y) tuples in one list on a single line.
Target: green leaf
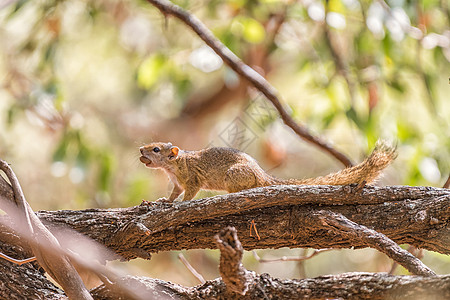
[(250, 29), (254, 32), (352, 115), (151, 70), (61, 150), (106, 170)]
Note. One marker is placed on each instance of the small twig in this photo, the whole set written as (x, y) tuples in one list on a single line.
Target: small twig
[(341, 225), (191, 269), (360, 186), (17, 261), (234, 62), (447, 183), (253, 225), (290, 258)]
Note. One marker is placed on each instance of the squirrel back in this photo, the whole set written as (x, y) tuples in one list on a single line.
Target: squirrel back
[(232, 170)]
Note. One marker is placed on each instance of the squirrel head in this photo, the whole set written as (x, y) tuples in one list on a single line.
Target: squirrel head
[(158, 155)]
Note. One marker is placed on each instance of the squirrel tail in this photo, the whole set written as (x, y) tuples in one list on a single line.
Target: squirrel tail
[(367, 171)]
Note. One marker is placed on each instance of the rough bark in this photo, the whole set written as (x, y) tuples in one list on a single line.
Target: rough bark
[(344, 286), (26, 281), (284, 217), (341, 225), (233, 273)]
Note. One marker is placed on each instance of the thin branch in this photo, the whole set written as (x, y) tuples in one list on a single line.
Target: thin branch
[(44, 245), (107, 276), (341, 224), (17, 261), (290, 258), (447, 183), (411, 249), (167, 8), (191, 268)]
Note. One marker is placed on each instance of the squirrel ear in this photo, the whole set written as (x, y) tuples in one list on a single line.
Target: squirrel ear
[(174, 152)]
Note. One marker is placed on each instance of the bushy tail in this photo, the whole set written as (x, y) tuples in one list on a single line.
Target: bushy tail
[(368, 171)]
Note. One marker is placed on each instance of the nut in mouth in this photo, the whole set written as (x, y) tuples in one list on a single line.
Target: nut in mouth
[(145, 161)]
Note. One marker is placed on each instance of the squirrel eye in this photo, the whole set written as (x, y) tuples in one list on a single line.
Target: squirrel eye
[(156, 149)]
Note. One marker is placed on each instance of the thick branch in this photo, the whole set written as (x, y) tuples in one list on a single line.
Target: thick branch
[(419, 216), (167, 8), (344, 286), (19, 282)]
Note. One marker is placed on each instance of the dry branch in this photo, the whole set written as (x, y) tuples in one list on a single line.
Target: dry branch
[(341, 224), (284, 215), (290, 258), (55, 260), (419, 216), (19, 282), (343, 286), (44, 245), (191, 269), (234, 62), (233, 273)]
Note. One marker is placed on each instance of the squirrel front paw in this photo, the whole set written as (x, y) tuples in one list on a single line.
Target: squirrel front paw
[(163, 200)]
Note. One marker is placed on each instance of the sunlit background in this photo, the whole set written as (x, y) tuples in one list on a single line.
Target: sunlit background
[(83, 84)]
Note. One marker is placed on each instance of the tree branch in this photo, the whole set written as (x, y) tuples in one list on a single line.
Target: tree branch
[(374, 286), (233, 273), (28, 282), (283, 215), (447, 183), (44, 245), (415, 215), (167, 8), (341, 224), (242, 284), (290, 258)]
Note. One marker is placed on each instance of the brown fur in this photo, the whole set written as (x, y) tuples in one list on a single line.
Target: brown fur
[(232, 170)]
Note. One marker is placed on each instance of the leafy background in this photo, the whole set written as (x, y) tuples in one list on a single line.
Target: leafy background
[(85, 83)]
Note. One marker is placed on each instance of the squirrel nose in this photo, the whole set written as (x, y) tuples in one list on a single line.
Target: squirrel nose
[(142, 150)]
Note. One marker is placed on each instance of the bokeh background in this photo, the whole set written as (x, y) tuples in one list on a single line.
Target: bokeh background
[(84, 83)]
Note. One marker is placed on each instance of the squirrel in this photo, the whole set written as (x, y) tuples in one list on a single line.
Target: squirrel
[(220, 168)]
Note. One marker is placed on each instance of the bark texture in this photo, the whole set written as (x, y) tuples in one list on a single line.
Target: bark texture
[(233, 273), (343, 286), (26, 281), (285, 216)]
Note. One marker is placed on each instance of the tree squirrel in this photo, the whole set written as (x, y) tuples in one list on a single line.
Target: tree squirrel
[(231, 170)]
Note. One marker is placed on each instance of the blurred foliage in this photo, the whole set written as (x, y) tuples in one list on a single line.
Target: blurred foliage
[(84, 83)]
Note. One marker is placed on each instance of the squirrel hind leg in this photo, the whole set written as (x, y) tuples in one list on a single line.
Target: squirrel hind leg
[(240, 177)]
